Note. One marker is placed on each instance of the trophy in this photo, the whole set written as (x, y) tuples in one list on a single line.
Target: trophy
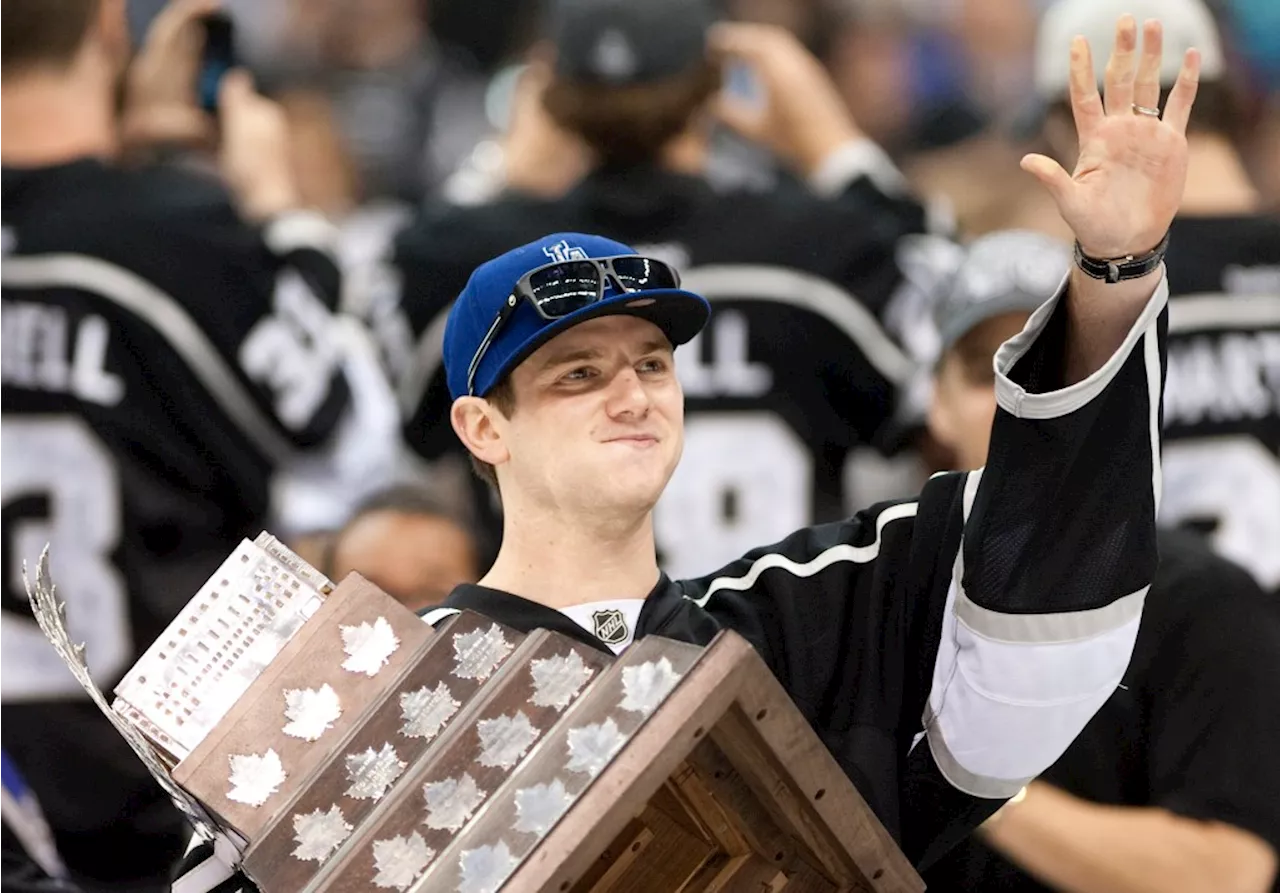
[(341, 744)]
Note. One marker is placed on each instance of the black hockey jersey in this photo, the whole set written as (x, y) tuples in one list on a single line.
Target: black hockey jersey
[(1222, 404), (159, 358)]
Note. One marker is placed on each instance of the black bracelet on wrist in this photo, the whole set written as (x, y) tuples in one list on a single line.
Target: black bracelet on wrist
[(1118, 269)]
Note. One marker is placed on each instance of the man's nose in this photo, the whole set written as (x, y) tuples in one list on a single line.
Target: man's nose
[(627, 396)]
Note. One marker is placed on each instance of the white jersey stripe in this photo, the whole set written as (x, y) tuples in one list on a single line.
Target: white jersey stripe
[(843, 552)]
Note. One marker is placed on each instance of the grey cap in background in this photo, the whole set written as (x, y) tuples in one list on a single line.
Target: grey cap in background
[(628, 42), (1002, 272), (1186, 24)]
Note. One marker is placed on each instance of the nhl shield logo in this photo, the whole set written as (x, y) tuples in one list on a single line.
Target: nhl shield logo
[(611, 626)]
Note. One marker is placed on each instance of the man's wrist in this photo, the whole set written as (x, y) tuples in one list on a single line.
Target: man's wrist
[(1118, 268)]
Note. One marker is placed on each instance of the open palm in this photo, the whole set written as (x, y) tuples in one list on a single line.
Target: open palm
[(1132, 165)]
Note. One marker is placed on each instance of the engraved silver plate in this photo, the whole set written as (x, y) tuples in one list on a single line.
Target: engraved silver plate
[(592, 747), (319, 833), (237, 623), (426, 710), (647, 685), (311, 711), (485, 868), (503, 741), (477, 654), (368, 646), (451, 802), (539, 807), (557, 680), (255, 777), (372, 772), (400, 860)]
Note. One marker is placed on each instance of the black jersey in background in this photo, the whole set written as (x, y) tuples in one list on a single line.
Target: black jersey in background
[(793, 373), (1192, 728), (1222, 400), (159, 359)]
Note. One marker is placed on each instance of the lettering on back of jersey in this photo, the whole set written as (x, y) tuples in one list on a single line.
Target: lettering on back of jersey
[(717, 361), (44, 349), (292, 352), (1223, 377)]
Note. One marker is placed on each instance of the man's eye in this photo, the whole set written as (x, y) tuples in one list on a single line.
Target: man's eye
[(653, 364), (582, 373)]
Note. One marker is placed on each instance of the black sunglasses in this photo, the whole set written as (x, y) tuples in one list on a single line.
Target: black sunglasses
[(557, 289)]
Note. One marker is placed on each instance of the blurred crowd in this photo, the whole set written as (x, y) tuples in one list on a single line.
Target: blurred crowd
[(840, 178)]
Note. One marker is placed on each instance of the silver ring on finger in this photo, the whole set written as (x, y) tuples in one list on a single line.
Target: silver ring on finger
[(1145, 110)]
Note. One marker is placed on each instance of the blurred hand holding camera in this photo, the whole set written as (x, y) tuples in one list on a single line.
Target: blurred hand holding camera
[(161, 108), (800, 116)]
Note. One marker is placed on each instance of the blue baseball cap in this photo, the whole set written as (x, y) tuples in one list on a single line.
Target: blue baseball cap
[(679, 314)]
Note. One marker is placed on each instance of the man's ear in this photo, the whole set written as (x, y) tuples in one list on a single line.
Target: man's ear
[(474, 420)]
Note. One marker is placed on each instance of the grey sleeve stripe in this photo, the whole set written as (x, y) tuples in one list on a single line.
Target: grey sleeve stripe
[(1069, 626), (1207, 312), (782, 285), (962, 779), (857, 158), (300, 229), (1015, 400), (168, 318)]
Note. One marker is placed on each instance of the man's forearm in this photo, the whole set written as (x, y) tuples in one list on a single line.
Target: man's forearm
[(1099, 315), (1080, 847)]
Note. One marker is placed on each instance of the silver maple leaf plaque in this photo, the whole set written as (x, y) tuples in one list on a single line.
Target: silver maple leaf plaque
[(477, 654), (399, 860), (371, 773), (592, 747), (311, 711), (451, 802), (538, 808), (319, 833), (557, 680), (647, 684), (255, 777), (426, 710), (368, 646), (503, 741), (485, 868)]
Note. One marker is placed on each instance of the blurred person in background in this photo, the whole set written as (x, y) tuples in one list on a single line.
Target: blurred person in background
[(795, 372), (167, 345), (1222, 402), (1172, 785), (410, 542), (405, 108)]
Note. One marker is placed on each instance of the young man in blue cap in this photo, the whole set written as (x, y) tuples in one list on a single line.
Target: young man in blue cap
[(993, 616), (947, 650)]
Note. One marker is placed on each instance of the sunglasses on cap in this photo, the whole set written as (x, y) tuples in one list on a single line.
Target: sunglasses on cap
[(558, 289)]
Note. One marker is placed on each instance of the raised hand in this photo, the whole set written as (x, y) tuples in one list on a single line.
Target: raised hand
[(1128, 181)]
